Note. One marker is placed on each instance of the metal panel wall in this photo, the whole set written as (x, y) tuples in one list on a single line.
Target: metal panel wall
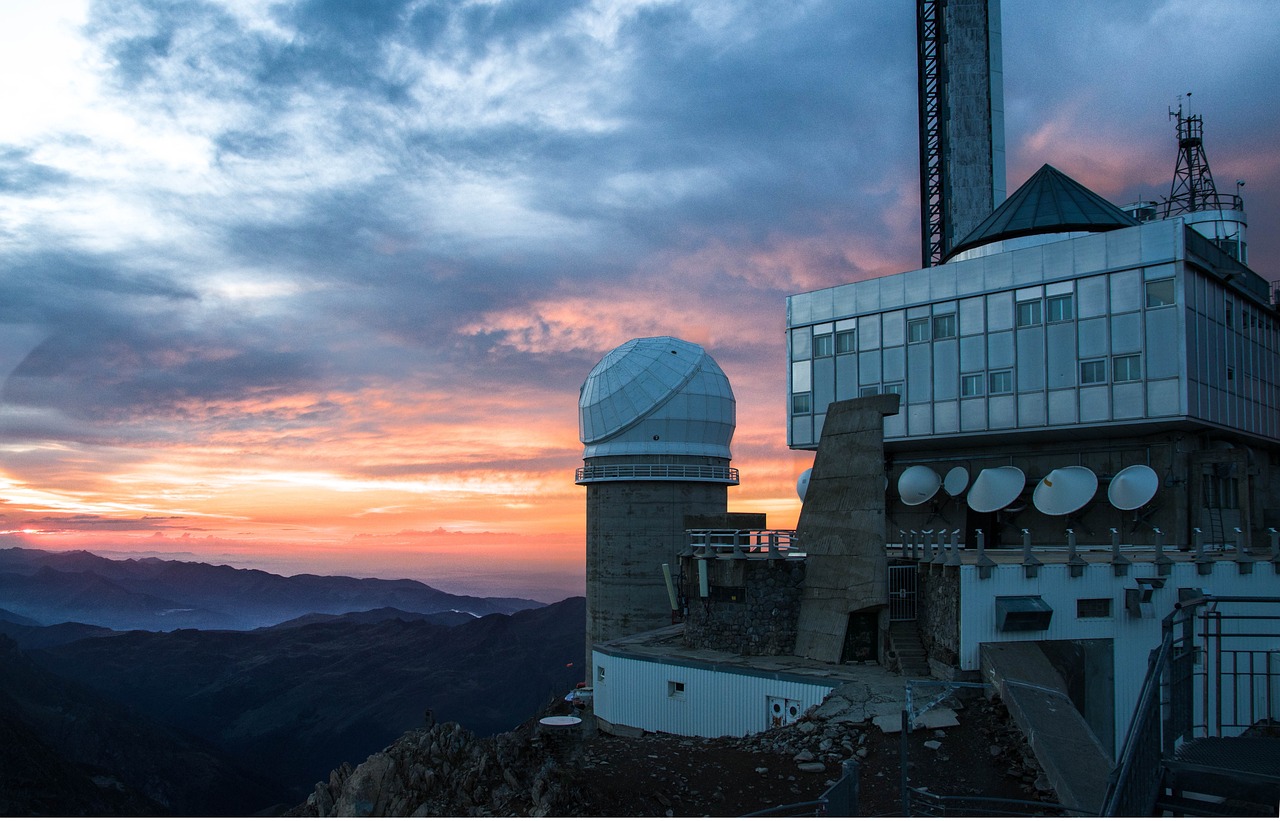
[(1133, 637), (639, 693)]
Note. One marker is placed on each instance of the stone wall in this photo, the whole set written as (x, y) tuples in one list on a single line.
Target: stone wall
[(938, 613), (761, 622)]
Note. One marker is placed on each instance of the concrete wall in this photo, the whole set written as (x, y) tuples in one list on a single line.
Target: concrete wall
[(938, 614), (632, 528), (762, 622), (975, 94)]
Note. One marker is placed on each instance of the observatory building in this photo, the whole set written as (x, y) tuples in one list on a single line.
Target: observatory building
[(656, 417)]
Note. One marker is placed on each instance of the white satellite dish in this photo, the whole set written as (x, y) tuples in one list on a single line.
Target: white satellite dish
[(1065, 490), (957, 480), (802, 484), (1133, 487), (996, 488), (918, 484)]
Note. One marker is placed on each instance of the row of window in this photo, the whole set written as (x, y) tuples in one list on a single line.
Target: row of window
[(1027, 313), (1127, 368)]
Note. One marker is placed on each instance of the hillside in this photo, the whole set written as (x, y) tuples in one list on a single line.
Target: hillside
[(48, 587), (294, 699), (66, 750)]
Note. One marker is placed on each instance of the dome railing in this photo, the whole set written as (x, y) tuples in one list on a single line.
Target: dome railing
[(652, 472)]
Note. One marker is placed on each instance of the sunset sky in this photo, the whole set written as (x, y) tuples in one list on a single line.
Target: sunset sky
[(312, 286)]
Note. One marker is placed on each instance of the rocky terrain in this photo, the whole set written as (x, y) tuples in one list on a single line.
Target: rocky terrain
[(445, 770)]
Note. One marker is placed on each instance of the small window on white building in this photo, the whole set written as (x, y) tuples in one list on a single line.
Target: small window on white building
[(600, 674), (1029, 313), (1093, 372), (1126, 368), (1093, 608), (675, 689)]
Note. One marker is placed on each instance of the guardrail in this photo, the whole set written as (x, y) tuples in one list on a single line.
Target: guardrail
[(657, 473), (713, 542)]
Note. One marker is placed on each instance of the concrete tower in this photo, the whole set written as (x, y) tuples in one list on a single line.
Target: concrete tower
[(656, 416)]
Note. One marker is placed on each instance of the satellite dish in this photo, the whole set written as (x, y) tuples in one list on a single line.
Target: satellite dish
[(996, 488), (918, 484), (1133, 487), (957, 480), (802, 484), (1065, 490)]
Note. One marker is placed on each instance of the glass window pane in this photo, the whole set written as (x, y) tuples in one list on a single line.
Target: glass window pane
[(1001, 382), (1093, 372), (944, 326), (918, 330), (1160, 293), (971, 385), (1028, 313), (1126, 368), (1060, 308), (800, 403), (846, 341), (822, 345), (800, 343)]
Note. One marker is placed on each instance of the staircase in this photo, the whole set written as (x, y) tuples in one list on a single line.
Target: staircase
[(1205, 737), (907, 647)]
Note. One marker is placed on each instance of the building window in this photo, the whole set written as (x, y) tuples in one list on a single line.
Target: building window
[(1093, 372), (1060, 308), (971, 385), (846, 341), (1229, 313), (801, 403), (675, 689), (1000, 382), (893, 387), (944, 326), (822, 345), (1159, 293), (1126, 368), (869, 391), (599, 674), (1093, 608), (1029, 313), (918, 330)]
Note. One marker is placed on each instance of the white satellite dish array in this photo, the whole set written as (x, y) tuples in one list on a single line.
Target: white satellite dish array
[(1062, 492)]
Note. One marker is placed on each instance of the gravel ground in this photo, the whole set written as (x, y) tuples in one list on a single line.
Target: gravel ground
[(664, 775)]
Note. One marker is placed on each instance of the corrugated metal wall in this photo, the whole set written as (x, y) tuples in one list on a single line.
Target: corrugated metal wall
[(642, 693)]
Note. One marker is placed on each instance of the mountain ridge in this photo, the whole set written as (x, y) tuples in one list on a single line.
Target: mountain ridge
[(161, 594)]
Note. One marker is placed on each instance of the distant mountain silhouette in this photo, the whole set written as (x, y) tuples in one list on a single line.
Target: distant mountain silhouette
[(153, 594), (65, 750), (451, 618), (295, 699)]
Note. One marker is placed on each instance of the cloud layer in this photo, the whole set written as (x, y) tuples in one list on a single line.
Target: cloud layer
[(284, 274)]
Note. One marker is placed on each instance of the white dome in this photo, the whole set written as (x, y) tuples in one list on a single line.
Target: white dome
[(658, 395)]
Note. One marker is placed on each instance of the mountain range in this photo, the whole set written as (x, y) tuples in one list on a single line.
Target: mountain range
[(100, 718), (49, 587)]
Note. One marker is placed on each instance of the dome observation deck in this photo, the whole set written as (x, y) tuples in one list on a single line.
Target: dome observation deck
[(656, 409)]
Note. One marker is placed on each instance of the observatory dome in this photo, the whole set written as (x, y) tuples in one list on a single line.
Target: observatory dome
[(658, 395)]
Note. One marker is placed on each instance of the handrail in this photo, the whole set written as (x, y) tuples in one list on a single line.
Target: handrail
[(671, 473)]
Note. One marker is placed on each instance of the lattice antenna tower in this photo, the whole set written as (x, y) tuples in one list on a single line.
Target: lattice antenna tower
[(931, 38), (1193, 188)]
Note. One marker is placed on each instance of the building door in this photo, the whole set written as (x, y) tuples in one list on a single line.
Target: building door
[(902, 592)]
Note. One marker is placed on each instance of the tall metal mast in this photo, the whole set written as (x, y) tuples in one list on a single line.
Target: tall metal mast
[(1193, 188), (931, 38)]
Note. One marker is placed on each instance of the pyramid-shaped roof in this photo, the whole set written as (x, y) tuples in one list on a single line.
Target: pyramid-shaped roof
[(1049, 202)]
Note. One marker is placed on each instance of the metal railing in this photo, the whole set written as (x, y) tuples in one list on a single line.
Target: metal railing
[(1213, 675), (669, 473), (839, 801), (713, 542)]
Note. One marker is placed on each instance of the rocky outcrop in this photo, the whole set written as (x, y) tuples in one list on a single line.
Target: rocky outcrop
[(447, 771)]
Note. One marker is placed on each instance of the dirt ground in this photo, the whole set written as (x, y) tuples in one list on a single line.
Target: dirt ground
[(663, 775)]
